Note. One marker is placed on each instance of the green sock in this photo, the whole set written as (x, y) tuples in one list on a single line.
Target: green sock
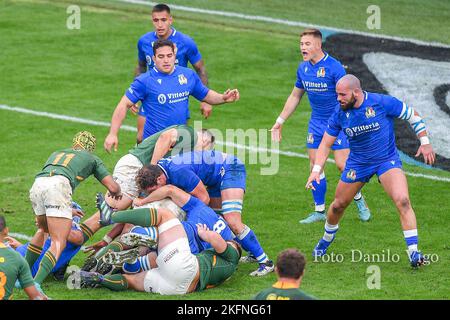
[(145, 217), (115, 282), (113, 246), (87, 233), (33, 253), (47, 264)]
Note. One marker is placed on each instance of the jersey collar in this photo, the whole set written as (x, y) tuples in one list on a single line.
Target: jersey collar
[(325, 57), (284, 285)]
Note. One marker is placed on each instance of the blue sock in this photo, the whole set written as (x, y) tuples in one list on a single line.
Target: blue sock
[(247, 239), (319, 193), (412, 239), (141, 264)]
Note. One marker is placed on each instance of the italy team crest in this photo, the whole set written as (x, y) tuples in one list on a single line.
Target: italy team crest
[(182, 79), (310, 138), (351, 174), (321, 72), (370, 113)]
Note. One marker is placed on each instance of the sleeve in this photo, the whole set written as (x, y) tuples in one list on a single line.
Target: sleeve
[(339, 72), (137, 90), (299, 83), (334, 127), (100, 170), (184, 179), (393, 106), (199, 91), (191, 204), (25, 278), (141, 53), (193, 54)]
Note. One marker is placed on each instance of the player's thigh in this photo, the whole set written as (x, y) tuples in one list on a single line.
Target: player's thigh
[(215, 203), (395, 184), (345, 192), (41, 222), (121, 204), (232, 201), (341, 156)]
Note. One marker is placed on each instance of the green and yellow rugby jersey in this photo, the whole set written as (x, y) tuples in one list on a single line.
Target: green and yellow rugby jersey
[(75, 165), (186, 141), (283, 291), (215, 268), (12, 267)]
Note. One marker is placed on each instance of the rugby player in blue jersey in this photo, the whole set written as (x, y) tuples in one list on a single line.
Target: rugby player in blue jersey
[(164, 92), (368, 121), (317, 76), (216, 179), (186, 51)]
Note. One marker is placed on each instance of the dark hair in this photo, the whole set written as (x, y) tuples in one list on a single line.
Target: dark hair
[(291, 264), (147, 176), (162, 43), (312, 32), (161, 8), (2, 223)]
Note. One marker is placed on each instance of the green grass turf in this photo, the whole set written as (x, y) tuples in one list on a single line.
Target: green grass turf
[(84, 73)]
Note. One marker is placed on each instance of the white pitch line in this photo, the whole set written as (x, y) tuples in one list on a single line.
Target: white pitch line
[(130, 128), (19, 236), (289, 23)]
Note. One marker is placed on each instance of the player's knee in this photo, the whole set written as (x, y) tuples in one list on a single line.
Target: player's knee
[(338, 206), (403, 203)]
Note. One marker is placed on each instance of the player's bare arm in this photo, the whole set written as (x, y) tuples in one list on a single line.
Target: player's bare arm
[(321, 157), (119, 115), (216, 98), (112, 186), (165, 141), (213, 238), (205, 108), (34, 294), (289, 107)]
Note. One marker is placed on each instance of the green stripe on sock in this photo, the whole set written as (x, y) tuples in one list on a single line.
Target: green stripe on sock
[(113, 246), (115, 282), (33, 253), (46, 265), (87, 233)]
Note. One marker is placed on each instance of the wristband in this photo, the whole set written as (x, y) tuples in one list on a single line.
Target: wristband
[(424, 140), (316, 168), (280, 120), (107, 239)]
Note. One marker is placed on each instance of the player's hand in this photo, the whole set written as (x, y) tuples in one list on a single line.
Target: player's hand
[(231, 95), (77, 213), (205, 109), (314, 176), (202, 231), (111, 141), (134, 109), (93, 249), (429, 156), (13, 242), (276, 132)]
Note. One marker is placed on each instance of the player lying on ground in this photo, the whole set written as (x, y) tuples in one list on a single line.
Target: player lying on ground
[(177, 270), (51, 197), (368, 121), (173, 140), (225, 177), (14, 267)]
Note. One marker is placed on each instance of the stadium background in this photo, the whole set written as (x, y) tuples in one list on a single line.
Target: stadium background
[(83, 73)]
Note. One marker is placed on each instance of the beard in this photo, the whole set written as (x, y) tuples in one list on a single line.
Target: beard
[(350, 104)]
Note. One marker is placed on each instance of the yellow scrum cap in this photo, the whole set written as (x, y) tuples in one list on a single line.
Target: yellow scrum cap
[(85, 140)]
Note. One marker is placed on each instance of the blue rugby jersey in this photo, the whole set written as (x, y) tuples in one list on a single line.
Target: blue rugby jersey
[(319, 81)]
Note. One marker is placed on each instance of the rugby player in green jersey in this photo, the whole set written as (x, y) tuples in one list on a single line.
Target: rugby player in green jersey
[(51, 197), (14, 267), (289, 269), (171, 141), (175, 270)]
